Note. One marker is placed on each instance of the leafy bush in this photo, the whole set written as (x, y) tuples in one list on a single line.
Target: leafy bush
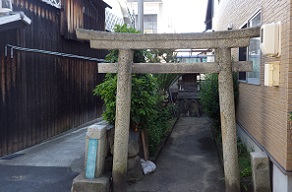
[(146, 110), (158, 126), (209, 95), (243, 159), (144, 91), (139, 55), (144, 97), (107, 91), (164, 81)]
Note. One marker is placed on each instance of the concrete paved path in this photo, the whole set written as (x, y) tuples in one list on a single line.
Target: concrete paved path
[(188, 163), (49, 166)]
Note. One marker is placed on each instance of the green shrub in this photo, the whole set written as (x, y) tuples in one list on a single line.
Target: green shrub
[(107, 91), (143, 88), (209, 95), (139, 55), (146, 101), (144, 97), (243, 160), (158, 126)]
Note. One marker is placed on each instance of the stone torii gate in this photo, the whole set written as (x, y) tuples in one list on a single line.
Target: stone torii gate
[(221, 41)]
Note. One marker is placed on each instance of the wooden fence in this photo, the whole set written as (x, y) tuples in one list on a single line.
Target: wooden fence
[(43, 95)]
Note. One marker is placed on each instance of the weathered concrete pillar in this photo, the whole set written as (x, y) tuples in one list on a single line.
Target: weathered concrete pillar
[(122, 123), (227, 115), (260, 172), (95, 151), (94, 179)]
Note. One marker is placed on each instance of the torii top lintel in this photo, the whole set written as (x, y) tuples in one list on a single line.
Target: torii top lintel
[(220, 39)]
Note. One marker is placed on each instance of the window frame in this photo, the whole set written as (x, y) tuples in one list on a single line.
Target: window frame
[(248, 24), (9, 2), (145, 17)]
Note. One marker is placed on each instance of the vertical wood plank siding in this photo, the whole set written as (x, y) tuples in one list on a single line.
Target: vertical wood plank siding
[(44, 95)]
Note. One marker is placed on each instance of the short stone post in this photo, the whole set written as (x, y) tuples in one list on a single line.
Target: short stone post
[(227, 116), (260, 172), (93, 179), (95, 151), (122, 123)]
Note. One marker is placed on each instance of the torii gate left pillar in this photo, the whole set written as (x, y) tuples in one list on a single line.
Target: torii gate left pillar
[(122, 122), (222, 41)]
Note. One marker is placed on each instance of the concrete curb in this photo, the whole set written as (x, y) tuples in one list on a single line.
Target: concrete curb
[(163, 143)]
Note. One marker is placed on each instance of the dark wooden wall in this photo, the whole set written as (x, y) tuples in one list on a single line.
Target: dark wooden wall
[(88, 14), (44, 95)]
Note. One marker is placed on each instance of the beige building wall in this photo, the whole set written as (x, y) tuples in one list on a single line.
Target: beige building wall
[(262, 110)]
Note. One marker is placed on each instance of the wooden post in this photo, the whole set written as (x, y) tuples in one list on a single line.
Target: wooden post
[(122, 123), (227, 115)]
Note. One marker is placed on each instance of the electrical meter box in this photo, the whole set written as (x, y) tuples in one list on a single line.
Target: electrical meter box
[(272, 73), (271, 39)]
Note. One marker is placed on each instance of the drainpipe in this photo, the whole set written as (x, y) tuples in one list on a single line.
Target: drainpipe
[(140, 16)]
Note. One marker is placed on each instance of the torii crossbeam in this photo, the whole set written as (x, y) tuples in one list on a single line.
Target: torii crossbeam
[(221, 41)]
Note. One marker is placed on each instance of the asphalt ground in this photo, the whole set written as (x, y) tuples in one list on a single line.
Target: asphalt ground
[(35, 179), (47, 167), (188, 163)]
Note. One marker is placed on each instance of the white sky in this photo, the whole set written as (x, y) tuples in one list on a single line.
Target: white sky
[(188, 15)]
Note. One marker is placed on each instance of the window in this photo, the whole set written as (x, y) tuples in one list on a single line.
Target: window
[(150, 23), (5, 4), (251, 53)]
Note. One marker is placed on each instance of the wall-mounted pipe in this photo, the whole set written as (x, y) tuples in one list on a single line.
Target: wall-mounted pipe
[(60, 54)]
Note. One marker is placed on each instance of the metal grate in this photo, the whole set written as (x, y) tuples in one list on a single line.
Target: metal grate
[(111, 20), (55, 3)]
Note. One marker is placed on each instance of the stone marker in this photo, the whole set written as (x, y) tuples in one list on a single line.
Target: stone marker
[(260, 172), (94, 179), (95, 151)]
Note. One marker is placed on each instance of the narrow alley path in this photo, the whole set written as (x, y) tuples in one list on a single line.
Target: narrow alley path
[(49, 166), (188, 163)]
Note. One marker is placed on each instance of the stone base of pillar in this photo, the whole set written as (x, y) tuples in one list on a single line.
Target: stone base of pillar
[(260, 172), (81, 184), (135, 170)]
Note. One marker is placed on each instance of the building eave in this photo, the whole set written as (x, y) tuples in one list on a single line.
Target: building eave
[(14, 20)]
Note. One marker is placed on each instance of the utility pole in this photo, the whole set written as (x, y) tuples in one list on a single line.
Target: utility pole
[(140, 15)]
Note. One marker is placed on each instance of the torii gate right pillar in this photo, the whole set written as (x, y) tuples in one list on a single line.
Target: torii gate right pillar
[(227, 115)]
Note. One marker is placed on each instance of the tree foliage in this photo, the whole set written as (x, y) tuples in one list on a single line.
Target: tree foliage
[(139, 55), (164, 81), (144, 91), (146, 101)]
